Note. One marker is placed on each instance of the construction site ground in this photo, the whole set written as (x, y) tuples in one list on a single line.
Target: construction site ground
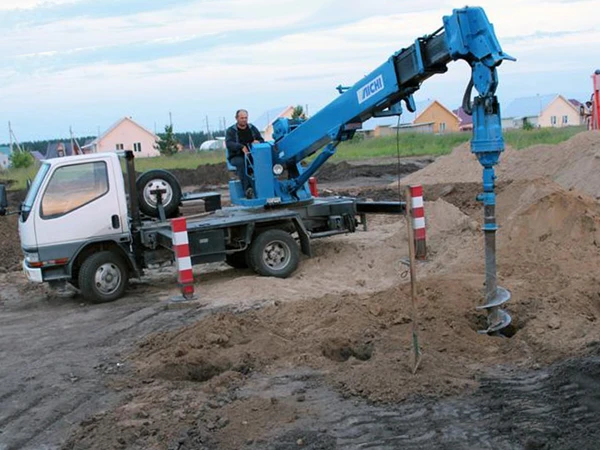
[(323, 359)]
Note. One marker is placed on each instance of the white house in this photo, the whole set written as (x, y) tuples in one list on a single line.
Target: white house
[(551, 110), (126, 134)]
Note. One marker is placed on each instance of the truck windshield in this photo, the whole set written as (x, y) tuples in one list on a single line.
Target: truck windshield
[(33, 191)]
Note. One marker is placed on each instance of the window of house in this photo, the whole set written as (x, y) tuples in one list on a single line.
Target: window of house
[(72, 187), (565, 119), (119, 146), (137, 146), (553, 120), (442, 127)]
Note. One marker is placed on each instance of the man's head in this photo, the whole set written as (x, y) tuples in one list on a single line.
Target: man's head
[(241, 117)]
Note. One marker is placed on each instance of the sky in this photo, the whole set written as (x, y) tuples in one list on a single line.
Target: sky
[(87, 63)]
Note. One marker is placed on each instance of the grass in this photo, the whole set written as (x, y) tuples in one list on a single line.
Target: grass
[(411, 144), (519, 139), (182, 161)]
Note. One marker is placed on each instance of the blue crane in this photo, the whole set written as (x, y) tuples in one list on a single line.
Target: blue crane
[(279, 169)]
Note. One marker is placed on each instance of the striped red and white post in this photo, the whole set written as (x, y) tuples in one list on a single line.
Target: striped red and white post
[(181, 248), (312, 185), (418, 220)]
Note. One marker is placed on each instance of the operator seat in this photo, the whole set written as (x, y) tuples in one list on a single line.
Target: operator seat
[(230, 166)]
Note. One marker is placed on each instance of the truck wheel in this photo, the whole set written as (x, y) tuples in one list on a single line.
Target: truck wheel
[(274, 253), (158, 179), (237, 260), (103, 277)]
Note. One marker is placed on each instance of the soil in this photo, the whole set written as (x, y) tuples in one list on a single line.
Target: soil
[(324, 359)]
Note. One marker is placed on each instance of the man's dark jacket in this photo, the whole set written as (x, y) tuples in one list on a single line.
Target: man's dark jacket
[(232, 140)]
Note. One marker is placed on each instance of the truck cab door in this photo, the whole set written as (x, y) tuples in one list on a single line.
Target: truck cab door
[(79, 203)]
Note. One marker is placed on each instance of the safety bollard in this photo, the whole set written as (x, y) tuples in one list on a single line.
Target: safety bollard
[(181, 249), (418, 220)]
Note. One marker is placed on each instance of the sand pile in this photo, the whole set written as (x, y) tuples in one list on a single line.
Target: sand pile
[(359, 342), (574, 163)]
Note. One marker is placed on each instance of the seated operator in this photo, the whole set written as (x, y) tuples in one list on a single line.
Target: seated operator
[(238, 139)]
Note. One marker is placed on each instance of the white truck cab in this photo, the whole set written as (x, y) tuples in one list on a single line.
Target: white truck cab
[(72, 202)]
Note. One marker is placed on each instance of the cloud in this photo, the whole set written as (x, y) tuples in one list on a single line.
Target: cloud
[(95, 61)]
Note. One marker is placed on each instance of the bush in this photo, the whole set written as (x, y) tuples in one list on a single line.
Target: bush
[(21, 160)]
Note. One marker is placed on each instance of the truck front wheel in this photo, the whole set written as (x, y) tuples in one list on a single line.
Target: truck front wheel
[(103, 277), (274, 253)]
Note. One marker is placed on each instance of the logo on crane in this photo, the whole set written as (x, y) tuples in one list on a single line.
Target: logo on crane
[(370, 89)]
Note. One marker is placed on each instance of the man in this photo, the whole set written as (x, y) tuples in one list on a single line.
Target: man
[(238, 139)]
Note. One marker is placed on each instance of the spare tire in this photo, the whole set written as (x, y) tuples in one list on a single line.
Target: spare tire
[(158, 179)]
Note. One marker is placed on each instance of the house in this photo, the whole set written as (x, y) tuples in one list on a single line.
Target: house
[(4, 157), (264, 122), (552, 110), (38, 156), (60, 149), (381, 126), (560, 112), (125, 134), (442, 119), (466, 120), (389, 126)]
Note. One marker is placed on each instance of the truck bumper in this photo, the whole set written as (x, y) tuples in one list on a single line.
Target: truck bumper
[(34, 275)]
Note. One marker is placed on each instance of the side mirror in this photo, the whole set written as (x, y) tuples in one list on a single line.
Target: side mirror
[(3, 200)]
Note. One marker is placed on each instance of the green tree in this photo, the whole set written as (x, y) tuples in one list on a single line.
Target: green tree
[(21, 159), (298, 113), (167, 145)]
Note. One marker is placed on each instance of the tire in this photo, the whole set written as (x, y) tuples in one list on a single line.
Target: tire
[(237, 260), (274, 253), (153, 179), (103, 277)]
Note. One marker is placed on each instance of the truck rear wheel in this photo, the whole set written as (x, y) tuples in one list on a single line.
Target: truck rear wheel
[(103, 277), (158, 179), (274, 253)]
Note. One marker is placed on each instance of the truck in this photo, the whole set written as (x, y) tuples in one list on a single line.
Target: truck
[(86, 223)]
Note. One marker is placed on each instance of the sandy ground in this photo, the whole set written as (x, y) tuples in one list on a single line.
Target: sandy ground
[(322, 360)]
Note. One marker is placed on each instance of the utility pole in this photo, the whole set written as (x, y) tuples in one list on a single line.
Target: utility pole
[(170, 120), (207, 128), (10, 135)]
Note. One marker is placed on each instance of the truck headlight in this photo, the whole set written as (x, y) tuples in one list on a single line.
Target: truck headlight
[(33, 257), (277, 169)]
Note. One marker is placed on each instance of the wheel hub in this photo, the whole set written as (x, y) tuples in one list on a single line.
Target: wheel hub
[(108, 278), (153, 185), (276, 255)]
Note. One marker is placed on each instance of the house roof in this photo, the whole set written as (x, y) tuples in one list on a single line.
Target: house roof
[(431, 103), (115, 125), (465, 119), (5, 150), (268, 117), (528, 106), (575, 102)]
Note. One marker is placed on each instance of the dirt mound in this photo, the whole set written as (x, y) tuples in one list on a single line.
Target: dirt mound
[(203, 176), (358, 342), (346, 171), (574, 163), (211, 175)]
